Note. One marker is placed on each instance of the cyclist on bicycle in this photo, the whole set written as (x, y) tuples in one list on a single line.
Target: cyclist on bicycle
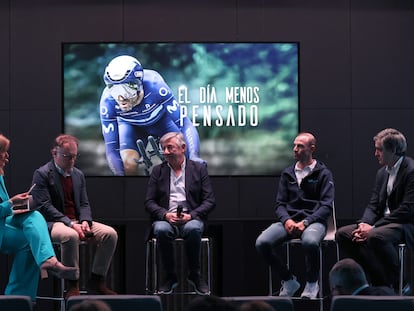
[(137, 103)]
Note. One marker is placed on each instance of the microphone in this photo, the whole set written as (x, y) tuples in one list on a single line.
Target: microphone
[(179, 210)]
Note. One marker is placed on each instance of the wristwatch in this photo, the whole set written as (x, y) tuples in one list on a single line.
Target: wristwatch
[(305, 222)]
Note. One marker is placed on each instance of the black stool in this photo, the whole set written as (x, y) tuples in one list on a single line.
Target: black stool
[(151, 264)]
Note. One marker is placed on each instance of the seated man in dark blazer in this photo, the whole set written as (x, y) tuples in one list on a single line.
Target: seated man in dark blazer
[(61, 195), (179, 198), (348, 278), (388, 218)]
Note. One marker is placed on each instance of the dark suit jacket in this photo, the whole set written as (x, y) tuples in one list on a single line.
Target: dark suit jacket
[(48, 195), (400, 200), (199, 192)]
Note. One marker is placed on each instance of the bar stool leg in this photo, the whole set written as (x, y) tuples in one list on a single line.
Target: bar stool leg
[(151, 265), (401, 253)]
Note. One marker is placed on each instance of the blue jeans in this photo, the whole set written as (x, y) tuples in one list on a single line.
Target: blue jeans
[(191, 232), (269, 241)]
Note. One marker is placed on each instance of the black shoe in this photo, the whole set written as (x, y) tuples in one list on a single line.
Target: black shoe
[(168, 286), (200, 286)]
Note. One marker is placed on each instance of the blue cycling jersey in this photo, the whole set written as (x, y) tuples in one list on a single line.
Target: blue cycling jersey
[(157, 114)]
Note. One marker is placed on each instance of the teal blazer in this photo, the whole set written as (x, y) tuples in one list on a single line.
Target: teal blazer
[(5, 208)]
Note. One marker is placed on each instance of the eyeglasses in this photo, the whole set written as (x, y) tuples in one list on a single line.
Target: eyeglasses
[(68, 156)]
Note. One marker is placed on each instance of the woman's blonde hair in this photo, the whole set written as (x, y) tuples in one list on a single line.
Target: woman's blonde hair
[(4, 147)]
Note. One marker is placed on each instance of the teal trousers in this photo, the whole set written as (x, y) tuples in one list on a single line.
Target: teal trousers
[(27, 237)]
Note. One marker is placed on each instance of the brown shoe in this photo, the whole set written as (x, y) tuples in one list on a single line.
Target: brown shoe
[(73, 289), (96, 286)]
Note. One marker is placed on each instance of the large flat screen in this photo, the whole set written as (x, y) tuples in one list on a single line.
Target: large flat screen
[(236, 103)]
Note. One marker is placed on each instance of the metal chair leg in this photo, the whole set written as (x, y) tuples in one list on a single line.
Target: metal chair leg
[(401, 254), (151, 265)]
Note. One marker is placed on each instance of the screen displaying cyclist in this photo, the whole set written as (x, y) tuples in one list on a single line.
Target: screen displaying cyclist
[(136, 104)]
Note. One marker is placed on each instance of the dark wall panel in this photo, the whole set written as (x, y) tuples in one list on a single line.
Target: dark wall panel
[(382, 49), (322, 29), (5, 101), (134, 194), (31, 133), (5, 58), (227, 195), (107, 198), (355, 79), (184, 20), (257, 197), (332, 128)]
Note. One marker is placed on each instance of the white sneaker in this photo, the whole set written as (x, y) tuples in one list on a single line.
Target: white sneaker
[(311, 290), (289, 287)]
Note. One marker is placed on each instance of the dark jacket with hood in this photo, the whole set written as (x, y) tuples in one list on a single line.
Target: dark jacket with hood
[(311, 200)]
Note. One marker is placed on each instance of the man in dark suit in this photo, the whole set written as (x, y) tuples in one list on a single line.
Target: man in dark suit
[(348, 278), (60, 192), (388, 218), (179, 199)]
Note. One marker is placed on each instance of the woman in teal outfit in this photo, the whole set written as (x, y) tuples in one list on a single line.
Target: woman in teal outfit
[(25, 235)]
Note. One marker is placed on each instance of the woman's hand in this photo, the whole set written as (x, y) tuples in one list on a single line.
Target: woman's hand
[(20, 199)]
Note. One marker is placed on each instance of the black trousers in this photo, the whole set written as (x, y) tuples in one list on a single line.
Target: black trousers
[(378, 254)]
